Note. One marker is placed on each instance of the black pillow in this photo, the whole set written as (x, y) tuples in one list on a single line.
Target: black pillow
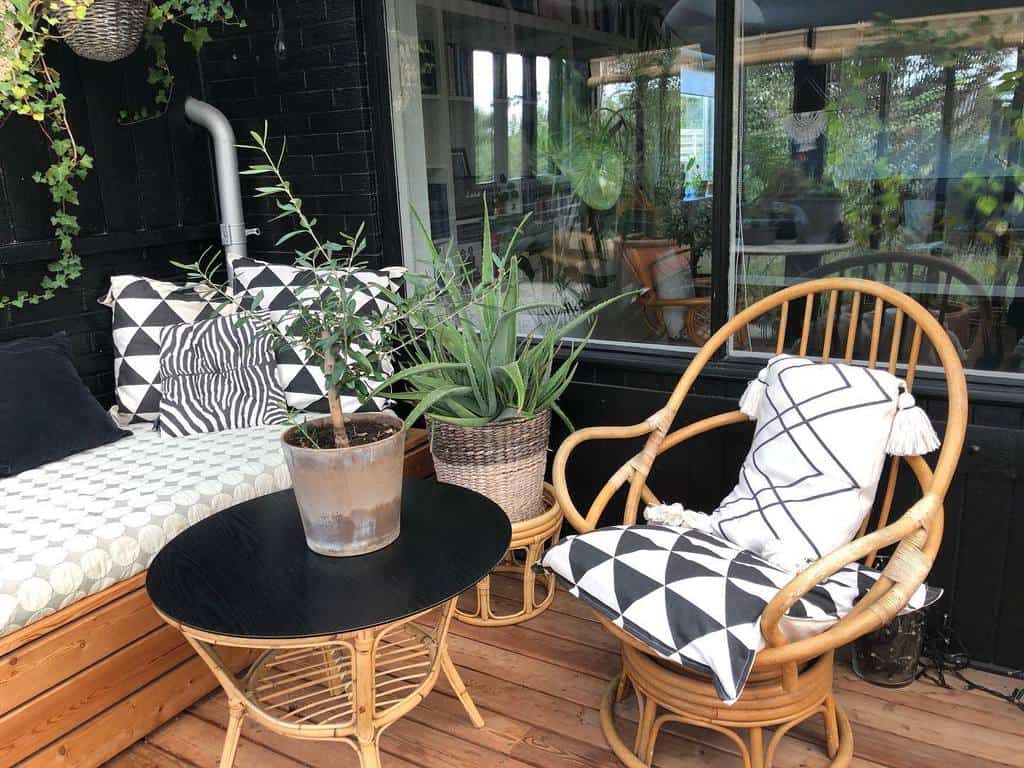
[(46, 412)]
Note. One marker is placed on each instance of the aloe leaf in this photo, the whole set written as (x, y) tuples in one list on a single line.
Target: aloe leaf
[(430, 399), (516, 377)]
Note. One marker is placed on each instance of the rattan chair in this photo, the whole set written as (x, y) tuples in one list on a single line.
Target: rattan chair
[(790, 681)]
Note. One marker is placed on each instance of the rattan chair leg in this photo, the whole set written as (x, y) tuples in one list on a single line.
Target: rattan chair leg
[(455, 680), (831, 727), (757, 748), (369, 754), (234, 733), (645, 726)]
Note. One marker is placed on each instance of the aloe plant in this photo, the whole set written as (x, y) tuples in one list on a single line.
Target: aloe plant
[(468, 365)]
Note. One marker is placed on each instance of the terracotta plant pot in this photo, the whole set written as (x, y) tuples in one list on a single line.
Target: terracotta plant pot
[(350, 499), (503, 461)]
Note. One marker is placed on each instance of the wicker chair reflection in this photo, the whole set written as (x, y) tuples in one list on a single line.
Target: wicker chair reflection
[(791, 681), (955, 297), (641, 256)]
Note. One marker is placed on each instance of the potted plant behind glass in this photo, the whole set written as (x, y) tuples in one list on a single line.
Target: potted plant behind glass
[(346, 469), (486, 394)]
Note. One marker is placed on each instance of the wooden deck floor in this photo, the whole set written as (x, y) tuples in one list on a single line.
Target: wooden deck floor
[(537, 686)]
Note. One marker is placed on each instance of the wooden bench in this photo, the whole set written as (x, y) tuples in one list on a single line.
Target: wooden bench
[(81, 685)]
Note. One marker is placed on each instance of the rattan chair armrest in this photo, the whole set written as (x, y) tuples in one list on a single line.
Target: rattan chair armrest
[(558, 480), (882, 603), (625, 472)]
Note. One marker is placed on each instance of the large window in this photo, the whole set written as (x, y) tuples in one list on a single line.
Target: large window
[(596, 119), (884, 140), (875, 138)]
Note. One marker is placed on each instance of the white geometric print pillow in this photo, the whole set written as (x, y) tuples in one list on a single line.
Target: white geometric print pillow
[(278, 289), (142, 308), (218, 374), (810, 477)]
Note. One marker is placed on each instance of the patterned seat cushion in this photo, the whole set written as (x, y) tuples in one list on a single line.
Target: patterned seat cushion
[(218, 374), (693, 597), (278, 289), (76, 526)]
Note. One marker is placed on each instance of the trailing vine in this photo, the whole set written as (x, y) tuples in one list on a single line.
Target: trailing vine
[(30, 87)]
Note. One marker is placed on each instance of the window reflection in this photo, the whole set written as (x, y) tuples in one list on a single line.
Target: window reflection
[(594, 118), (879, 144)]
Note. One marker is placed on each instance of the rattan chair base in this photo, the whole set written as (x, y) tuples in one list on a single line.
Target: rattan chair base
[(347, 688), (668, 693), (529, 538)]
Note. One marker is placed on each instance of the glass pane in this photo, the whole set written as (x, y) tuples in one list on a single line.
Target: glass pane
[(594, 118), (883, 141)]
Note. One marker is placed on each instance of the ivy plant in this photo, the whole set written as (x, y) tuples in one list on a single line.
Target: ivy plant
[(31, 87)]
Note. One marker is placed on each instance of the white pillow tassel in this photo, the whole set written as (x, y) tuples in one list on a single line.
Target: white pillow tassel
[(678, 516), (912, 431), (750, 400)]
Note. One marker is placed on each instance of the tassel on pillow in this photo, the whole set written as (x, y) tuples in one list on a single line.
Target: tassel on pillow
[(912, 431), (750, 401), (677, 516)]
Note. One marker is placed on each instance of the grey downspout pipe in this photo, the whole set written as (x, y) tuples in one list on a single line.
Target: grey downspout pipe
[(229, 192)]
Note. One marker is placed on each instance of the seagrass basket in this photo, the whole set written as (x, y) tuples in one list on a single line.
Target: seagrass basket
[(504, 461), (111, 29)]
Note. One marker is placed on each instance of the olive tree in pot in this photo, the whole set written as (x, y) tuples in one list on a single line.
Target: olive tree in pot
[(346, 469), (487, 394)]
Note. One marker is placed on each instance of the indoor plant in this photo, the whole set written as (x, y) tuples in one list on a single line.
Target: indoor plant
[(346, 469), (487, 395)]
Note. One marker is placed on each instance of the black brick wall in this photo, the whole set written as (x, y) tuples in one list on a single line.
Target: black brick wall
[(315, 96)]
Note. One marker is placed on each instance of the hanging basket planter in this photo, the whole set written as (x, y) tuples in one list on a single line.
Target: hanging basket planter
[(110, 31)]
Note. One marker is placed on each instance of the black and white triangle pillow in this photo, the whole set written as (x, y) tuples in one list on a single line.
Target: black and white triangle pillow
[(278, 289), (218, 374), (142, 309), (694, 598)]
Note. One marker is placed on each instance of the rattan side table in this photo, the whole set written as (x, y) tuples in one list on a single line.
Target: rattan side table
[(344, 646), (530, 538)]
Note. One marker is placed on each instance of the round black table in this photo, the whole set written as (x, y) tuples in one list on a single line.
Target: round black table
[(346, 645)]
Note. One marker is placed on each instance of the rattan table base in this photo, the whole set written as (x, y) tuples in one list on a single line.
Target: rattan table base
[(529, 540), (346, 688)]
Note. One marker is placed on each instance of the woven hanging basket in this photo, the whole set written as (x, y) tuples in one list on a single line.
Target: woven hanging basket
[(504, 461), (111, 29)]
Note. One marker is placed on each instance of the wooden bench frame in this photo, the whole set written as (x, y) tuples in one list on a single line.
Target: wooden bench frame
[(82, 685)]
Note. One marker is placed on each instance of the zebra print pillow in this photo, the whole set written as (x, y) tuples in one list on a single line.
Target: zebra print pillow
[(218, 374)]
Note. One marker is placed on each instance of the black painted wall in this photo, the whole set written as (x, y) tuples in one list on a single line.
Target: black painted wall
[(302, 69)]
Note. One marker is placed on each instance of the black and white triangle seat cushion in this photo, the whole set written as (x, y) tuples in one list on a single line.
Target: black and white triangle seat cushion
[(696, 599), (142, 309), (278, 289)]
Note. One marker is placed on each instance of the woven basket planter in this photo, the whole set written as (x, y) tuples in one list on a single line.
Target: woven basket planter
[(504, 461), (111, 29)]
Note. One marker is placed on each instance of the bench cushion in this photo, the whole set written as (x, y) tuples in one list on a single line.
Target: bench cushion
[(76, 526)]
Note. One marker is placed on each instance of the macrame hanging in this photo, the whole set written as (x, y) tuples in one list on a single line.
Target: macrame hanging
[(804, 128)]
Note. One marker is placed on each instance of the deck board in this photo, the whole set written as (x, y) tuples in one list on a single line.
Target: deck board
[(538, 686)]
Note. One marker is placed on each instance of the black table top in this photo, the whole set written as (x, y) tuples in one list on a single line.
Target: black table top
[(246, 572)]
